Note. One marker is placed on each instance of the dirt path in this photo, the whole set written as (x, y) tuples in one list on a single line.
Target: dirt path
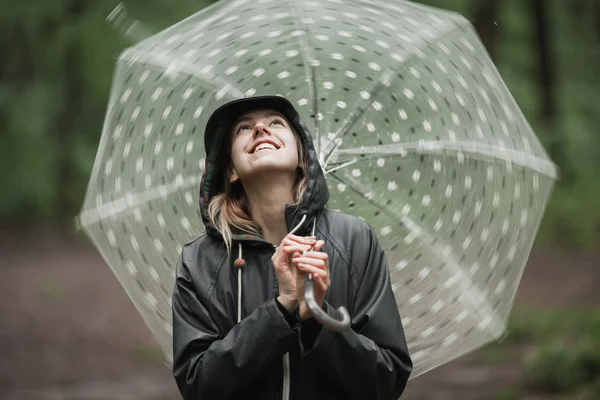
[(70, 332)]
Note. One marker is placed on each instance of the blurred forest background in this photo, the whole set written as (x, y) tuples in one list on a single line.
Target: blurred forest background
[(56, 65)]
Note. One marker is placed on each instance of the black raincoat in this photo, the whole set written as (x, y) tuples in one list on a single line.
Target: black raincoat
[(269, 354)]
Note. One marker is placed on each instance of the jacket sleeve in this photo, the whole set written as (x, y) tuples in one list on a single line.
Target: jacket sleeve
[(208, 364), (370, 360)]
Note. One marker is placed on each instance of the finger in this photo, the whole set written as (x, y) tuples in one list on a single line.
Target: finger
[(316, 254), (305, 240), (319, 245), (291, 249), (310, 240), (311, 269), (322, 284), (315, 262)]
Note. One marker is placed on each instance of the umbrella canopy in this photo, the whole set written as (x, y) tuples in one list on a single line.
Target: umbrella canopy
[(414, 127)]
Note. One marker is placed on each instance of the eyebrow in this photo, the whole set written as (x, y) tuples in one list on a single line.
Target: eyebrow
[(267, 115)]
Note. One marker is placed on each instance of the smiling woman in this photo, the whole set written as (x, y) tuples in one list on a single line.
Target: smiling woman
[(263, 151), (242, 328)]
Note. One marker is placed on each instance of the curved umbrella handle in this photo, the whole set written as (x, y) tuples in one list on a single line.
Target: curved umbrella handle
[(339, 323)]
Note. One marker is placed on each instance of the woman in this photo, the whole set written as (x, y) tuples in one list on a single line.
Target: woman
[(241, 329)]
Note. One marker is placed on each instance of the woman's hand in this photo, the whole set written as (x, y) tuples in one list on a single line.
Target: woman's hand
[(286, 272), (314, 262)]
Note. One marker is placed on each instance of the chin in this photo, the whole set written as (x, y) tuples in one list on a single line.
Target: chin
[(270, 165)]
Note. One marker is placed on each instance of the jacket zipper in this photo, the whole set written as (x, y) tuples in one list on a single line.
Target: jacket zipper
[(286, 377)]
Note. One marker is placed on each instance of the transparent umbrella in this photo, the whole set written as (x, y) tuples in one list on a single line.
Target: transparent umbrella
[(415, 129)]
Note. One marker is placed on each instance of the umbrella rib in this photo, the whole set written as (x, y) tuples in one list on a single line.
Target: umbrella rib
[(470, 294), (309, 70), (130, 201), (477, 150)]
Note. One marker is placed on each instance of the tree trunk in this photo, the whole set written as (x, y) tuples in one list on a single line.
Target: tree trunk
[(486, 23), (67, 121), (547, 84)]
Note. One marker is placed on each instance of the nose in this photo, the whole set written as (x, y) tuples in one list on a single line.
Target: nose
[(260, 129)]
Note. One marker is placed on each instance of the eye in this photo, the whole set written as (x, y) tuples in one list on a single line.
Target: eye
[(277, 122), (243, 128)]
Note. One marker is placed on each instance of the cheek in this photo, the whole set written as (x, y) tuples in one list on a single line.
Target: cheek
[(236, 153)]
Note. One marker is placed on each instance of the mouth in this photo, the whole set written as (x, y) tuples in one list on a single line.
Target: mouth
[(264, 145)]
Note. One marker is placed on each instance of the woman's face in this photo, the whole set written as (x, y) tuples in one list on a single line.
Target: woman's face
[(262, 141)]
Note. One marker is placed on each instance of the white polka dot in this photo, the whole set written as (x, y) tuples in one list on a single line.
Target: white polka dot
[(485, 233), (468, 182), (131, 268), (448, 191), (118, 131), (450, 339), (494, 260), (424, 273), (134, 243), (386, 230), (136, 113), (477, 210), (433, 105), (185, 224), (179, 129), (401, 265), (437, 306), (415, 298), (153, 274), (496, 199), (467, 242), (166, 112), (110, 235), (457, 217), (189, 199), (416, 175)]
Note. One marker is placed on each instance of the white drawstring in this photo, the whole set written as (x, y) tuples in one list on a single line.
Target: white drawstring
[(239, 272)]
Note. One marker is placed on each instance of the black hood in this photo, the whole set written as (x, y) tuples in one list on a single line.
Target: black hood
[(215, 138)]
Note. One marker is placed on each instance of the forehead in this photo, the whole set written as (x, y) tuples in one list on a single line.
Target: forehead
[(257, 114)]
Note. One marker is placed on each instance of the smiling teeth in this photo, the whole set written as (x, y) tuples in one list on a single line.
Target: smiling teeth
[(265, 146)]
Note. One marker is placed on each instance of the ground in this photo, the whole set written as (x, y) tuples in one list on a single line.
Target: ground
[(70, 332)]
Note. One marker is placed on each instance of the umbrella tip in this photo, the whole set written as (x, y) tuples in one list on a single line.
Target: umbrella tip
[(120, 20)]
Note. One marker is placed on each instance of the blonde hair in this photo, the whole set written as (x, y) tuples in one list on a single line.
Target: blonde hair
[(230, 209)]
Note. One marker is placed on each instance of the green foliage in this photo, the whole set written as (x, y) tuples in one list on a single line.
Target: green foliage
[(564, 355), (562, 367)]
